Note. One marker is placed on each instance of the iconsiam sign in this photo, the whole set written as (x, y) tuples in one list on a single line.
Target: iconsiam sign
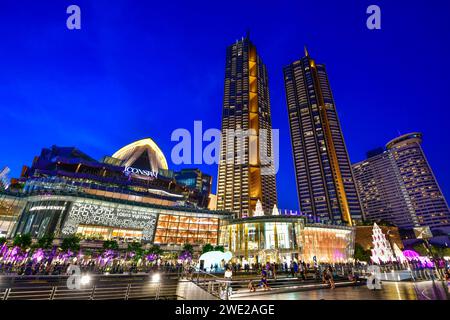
[(141, 172)]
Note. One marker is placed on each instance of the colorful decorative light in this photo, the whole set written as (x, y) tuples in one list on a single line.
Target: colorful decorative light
[(185, 256), (151, 257), (410, 254), (38, 255)]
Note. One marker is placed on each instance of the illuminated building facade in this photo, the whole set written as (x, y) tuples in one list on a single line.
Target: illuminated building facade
[(143, 154), (397, 184), (67, 192), (244, 180), (325, 184), (96, 217), (4, 178), (67, 168), (10, 208), (198, 182), (286, 238)]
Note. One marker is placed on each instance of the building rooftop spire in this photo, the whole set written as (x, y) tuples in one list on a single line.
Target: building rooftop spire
[(306, 52)]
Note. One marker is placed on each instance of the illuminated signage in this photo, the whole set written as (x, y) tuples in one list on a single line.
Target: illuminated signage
[(117, 216), (141, 172), (39, 208)]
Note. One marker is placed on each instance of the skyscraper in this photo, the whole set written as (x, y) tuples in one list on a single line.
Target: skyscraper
[(243, 177), (397, 185), (325, 185)]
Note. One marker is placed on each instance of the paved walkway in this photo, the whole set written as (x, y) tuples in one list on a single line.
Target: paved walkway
[(245, 294), (187, 290), (425, 290)]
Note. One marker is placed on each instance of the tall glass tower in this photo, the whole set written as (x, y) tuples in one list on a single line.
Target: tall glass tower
[(398, 185), (325, 184), (245, 176)]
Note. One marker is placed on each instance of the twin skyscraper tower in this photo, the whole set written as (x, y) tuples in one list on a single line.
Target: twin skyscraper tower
[(325, 185)]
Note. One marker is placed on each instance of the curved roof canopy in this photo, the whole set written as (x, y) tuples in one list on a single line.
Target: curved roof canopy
[(142, 154), (413, 136)]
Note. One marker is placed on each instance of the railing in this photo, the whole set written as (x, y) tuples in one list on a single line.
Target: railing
[(218, 287), (423, 274), (102, 288)]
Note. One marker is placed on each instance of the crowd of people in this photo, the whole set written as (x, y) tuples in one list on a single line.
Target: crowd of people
[(60, 268), (257, 274)]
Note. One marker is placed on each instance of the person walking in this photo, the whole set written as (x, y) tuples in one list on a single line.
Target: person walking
[(228, 274), (263, 281), (330, 277), (250, 286), (447, 278)]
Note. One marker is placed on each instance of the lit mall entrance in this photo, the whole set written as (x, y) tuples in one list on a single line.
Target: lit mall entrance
[(282, 239), (267, 256), (258, 240)]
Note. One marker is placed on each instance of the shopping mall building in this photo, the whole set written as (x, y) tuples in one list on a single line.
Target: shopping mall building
[(133, 196)]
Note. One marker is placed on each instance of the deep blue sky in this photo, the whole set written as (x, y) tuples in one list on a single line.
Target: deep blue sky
[(141, 69)]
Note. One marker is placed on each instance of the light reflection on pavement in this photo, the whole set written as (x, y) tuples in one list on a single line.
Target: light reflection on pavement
[(425, 290)]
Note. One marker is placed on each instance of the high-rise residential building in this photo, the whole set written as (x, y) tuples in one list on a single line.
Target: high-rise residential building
[(382, 194), (243, 177), (325, 184), (397, 185)]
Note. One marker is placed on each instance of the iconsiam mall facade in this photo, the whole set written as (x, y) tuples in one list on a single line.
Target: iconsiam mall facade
[(133, 196)]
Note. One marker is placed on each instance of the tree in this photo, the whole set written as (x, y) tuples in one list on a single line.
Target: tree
[(436, 251), (219, 248), (2, 241), (421, 249), (136, 247), (155, 250), (189, 248), (23, 241), (207, 248), (71, 243), (46, 242), (110, 245), (361, 254)]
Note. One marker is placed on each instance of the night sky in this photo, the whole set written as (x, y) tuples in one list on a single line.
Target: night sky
[(138, 69)]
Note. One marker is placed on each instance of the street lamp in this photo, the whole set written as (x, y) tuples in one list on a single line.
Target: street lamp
[(85, 279), (156, 280), (156, 277)]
